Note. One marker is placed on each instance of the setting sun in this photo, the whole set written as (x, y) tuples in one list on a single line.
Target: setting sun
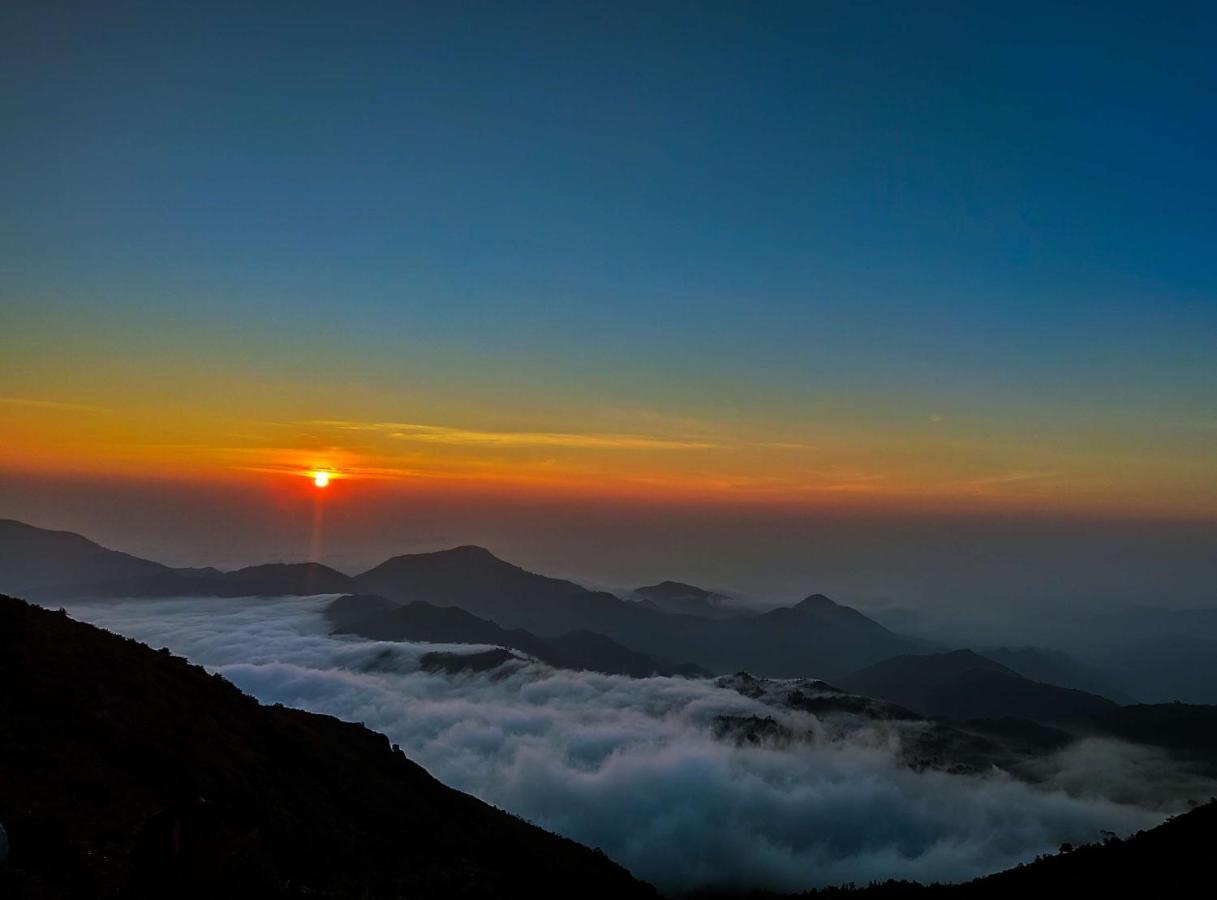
[(321, 479)]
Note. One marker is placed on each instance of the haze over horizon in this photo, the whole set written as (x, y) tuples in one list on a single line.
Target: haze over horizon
[(911, 306)]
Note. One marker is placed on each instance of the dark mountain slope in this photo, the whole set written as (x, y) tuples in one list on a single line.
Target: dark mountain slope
[(123, 767), (1171, 862), (965, 685), (422, 621), (347, 612)]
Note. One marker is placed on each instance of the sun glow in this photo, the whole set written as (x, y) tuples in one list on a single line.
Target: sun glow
[(321, 479)]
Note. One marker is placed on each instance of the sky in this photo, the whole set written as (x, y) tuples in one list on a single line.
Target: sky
[(683, 263)]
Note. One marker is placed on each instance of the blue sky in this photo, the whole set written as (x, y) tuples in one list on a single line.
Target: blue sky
[(786, 217)]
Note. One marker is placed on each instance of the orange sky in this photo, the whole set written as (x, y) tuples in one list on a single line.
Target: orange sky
[(935, 463)]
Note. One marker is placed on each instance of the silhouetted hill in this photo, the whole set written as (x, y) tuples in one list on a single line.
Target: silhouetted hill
[(128, 772), (46, 563), (57, 565), (350, 610), (383, 620), (1171, 862), (477, 581), (288, 578), (965, 685), (815, 637), (687, 599), (422, 621)]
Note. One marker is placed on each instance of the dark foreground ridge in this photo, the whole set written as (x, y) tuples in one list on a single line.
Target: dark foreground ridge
[(127, 772), (1174, 860)]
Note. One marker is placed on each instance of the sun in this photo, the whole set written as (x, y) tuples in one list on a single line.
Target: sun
[(321, 479)]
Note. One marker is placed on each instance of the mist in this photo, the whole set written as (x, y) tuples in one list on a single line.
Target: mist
[(632, 766)]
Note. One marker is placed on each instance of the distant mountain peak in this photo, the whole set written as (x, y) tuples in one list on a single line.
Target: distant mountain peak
[(472, 551), (675, 587), (275, 567), (817, 601), (688, 599), (464, 554)]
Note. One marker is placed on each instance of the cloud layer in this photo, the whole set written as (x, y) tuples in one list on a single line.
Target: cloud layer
[(632, 766)]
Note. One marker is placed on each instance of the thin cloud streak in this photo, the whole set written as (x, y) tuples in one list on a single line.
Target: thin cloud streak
[(51, 404), (439, 434)]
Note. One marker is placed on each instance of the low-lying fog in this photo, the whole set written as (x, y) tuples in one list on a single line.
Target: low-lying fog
[(632, 766)]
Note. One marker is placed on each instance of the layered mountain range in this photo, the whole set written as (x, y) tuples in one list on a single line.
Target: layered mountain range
[(128, 772), (813, 637), (468, 595)]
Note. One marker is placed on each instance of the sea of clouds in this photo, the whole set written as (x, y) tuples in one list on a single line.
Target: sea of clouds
[(633, 766)]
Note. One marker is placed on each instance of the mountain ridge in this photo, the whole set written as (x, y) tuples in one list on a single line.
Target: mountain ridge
[(815, 637), (1170, 862)]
